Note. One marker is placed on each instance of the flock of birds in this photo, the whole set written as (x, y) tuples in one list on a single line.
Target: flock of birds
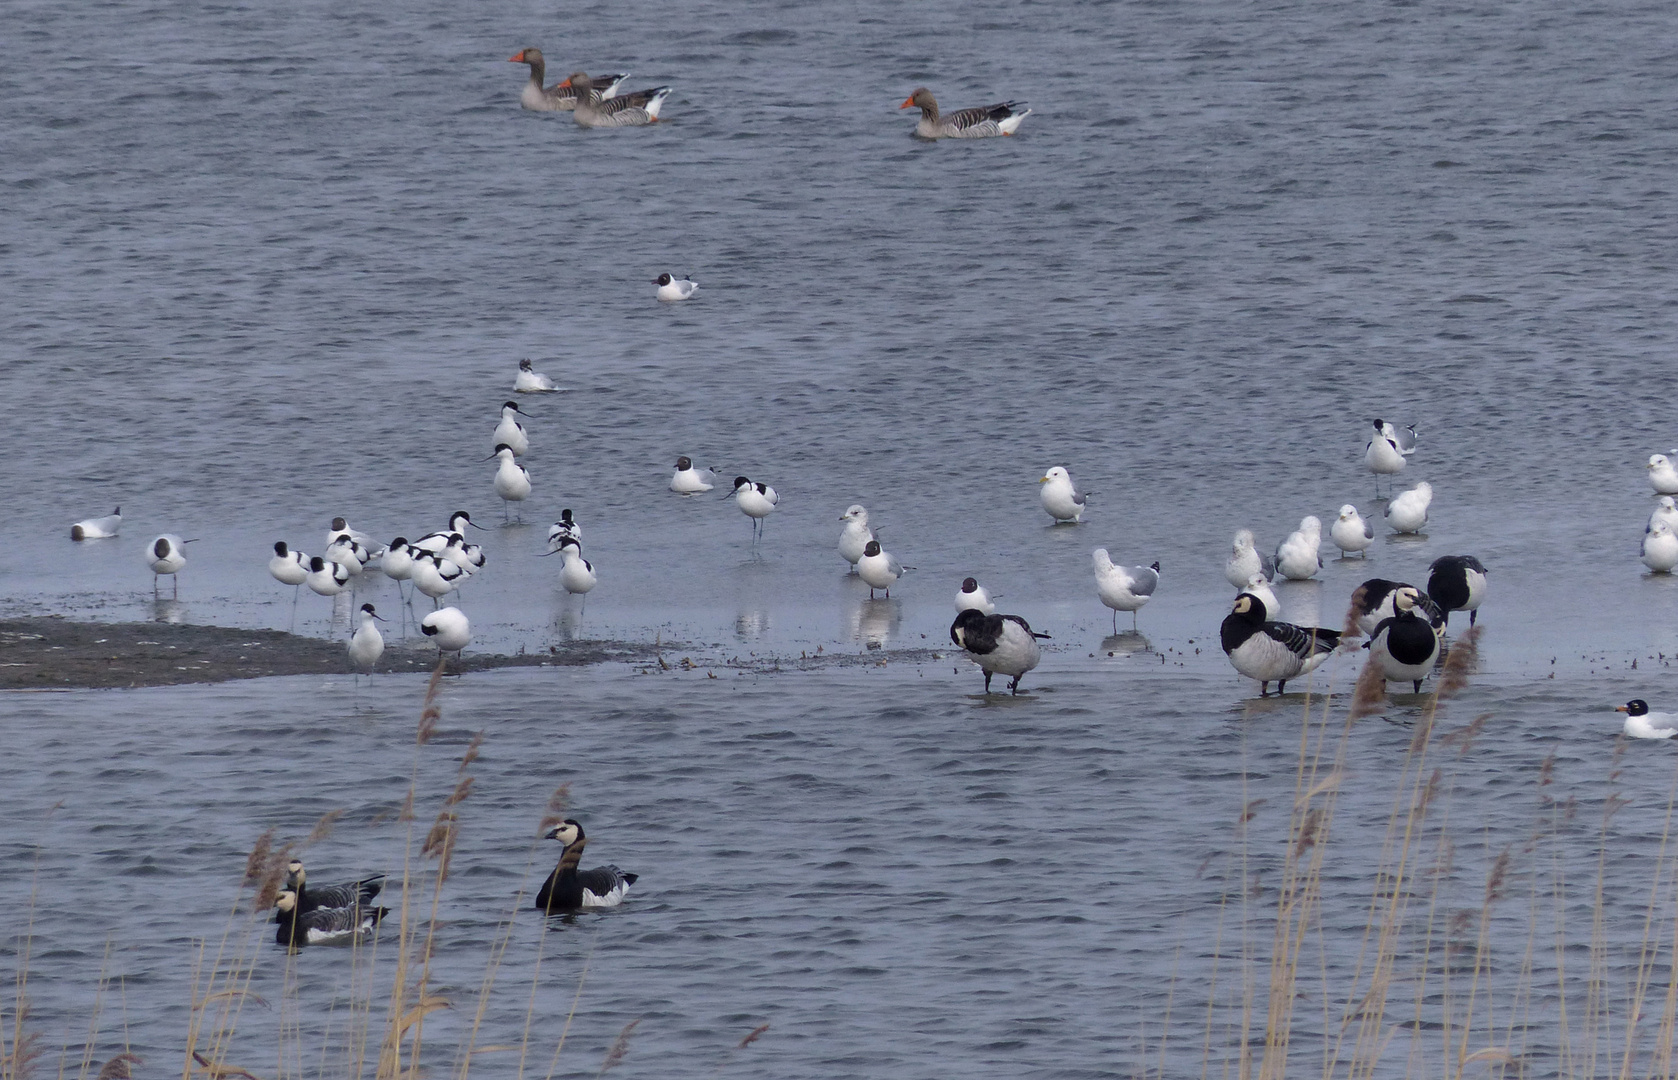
[(343, 914)]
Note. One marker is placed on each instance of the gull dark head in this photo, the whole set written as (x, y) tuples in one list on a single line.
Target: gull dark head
[(1634, 707), (662, 279), (684, 464), (871, 548), (339, 524), (969, 585), (524, 365), (567, 832)]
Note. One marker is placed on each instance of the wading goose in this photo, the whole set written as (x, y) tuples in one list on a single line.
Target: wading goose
[(559, 97), (1124, 588), (1373, 601), (1457, 583), (348, 894), (979, 123), (1272, 651), (570, 889), (999, 644), (1404, 644), (323, 926), (630, 110), (1643, 724)]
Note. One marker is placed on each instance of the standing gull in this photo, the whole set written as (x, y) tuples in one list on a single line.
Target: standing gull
[(1662, 476), (856, 534), (1060, 498), (1659, 549), (1299, 556), (1123, 588), (879, 568), (1350, 532), (1408, 512), (1245, 560), (166, 556)]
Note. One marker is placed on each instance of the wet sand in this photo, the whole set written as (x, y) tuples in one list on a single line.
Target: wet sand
[(57, 653)]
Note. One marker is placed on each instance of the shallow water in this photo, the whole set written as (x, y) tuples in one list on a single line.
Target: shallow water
[(265, 267)]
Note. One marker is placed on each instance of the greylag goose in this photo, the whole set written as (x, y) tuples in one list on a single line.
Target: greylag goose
[(567, 888), (1002, 119), (559, 97), (593, 110)]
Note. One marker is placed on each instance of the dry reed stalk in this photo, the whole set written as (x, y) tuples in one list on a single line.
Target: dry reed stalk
[(323, 827), (1370, 693), (571, 1014), (558, 803), (620, 1047)]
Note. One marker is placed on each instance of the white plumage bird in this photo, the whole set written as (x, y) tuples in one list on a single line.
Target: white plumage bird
[(1408, 512), (1350, 532), (99, 528), (1061, 498), (531, 381), (1123, 588), (1299, 556)]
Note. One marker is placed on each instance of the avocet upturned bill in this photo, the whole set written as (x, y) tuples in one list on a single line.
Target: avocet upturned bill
[(288, 567), (531, 381), (757, 501), (166, 556), (1123, 588), (459, 522), (1063, 501), (855, 535), (689, 480), (99, 528)]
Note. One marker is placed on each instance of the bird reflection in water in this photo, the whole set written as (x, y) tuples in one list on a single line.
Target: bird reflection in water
[(874, 622), (1128, 643)]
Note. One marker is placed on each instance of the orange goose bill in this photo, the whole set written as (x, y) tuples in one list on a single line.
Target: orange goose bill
[(559, 97), (1003, 119)]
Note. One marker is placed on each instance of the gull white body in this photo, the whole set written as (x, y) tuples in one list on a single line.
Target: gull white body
[(1061, 498), (531, 381), (972, 595), (1245, 560), (879, 568), (288, 567), (99, 528), (1660, 548), (1123, 588), (366, 644), (1643, 724), (1259, 586), (1350, 532), (1407, 513), (688, 480), (1666, 511), (1662, 476), (1299, 556), (166, 555), (672, 289), (510, 433), (855, 535), (326, 577), (449, 628)]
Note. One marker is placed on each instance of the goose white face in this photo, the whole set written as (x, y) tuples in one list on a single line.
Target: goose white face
[(566, 832), (1405, 599), (294, 870), (1243, 604), (286, 900)]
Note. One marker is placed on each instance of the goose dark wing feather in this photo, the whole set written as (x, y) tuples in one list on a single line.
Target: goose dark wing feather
[(603, 879), (1302, 641), (345, 895)]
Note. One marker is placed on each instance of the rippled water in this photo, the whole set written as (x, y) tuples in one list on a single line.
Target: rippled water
[(263, 266)]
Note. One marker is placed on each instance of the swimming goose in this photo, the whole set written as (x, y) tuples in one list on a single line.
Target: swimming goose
[(570, 889), (1299, 556), (531, 381), (346, 894), (324, 925), (879, 568), (1124, 588), (1643, 724), (510, 431), (999, 644), (972, 595), (688, 480), (1350, 532), (1001, 119), (630, 110), (1245, 560), (102, 527), (1457, 583), (1404, 644), (1373, 601), (559, 97), (166, 557), (1061, 499), (1272, 651)]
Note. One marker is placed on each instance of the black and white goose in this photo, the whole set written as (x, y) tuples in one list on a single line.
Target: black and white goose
[(1373, 601), (1457, 583), (999, 644), (347, 894), (1404, 644), (323, 926), (570, 889), (1272, 651)]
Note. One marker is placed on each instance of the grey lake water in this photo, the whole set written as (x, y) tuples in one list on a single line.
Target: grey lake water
[(261, 266)]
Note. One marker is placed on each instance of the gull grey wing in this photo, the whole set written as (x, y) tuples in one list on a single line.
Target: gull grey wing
[(1268, 565), (1368, 531), (1143, 580), (1405, 439)]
